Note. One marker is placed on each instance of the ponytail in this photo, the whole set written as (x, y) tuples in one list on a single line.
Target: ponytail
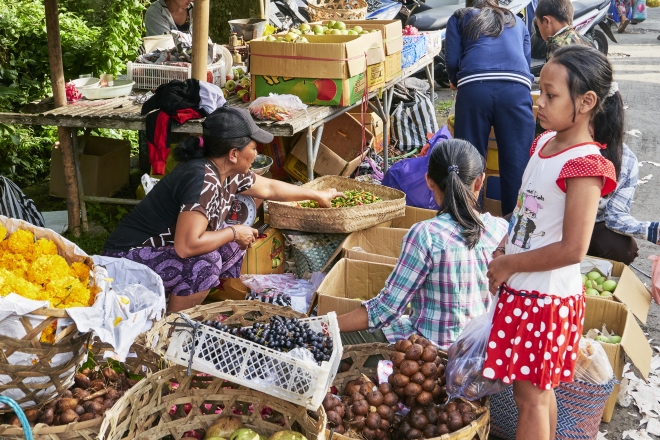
[(453, 166), (208, 146), (608, 129), (589, 70)]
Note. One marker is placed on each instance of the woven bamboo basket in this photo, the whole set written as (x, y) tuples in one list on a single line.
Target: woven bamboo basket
[(288, 215), (34, 372), (357, 355), (244, 313), (337, 10), (143, 364), (148, 412), (140, 361)]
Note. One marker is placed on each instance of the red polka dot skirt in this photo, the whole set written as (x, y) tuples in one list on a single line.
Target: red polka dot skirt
[(534, 337)]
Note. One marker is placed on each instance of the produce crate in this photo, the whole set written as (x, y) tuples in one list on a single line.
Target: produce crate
[(358, 355), (157, 408), (433, 40), (288, 215), (257, 367), (150, 76), (414, 48), (337, 10)]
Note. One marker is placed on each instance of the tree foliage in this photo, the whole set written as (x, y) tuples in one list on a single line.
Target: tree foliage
[(98, 36)]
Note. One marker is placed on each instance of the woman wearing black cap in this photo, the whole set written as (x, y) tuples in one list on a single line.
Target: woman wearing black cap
[(178, 229)]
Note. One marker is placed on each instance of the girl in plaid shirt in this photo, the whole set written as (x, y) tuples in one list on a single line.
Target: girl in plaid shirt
[(441, 272)]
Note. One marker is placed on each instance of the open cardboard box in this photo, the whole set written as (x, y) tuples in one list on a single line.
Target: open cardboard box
[(374, 125), (379, 245), (266, 256), (349, 283), (390, 29), (629, 290), (619, 319), (413, 215), (340, 150)]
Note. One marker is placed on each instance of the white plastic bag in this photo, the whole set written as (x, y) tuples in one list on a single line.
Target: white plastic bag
[(276, 107), (592, 364), (466, 359)]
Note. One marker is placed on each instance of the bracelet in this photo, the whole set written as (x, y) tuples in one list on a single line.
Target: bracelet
[(501, 249), (233, 229)]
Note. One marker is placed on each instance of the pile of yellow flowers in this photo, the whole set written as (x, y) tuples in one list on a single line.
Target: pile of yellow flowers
[(33, 269)]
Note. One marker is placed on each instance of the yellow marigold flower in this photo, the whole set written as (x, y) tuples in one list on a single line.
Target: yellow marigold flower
[(48, 334), (80, 271), (44, 246), (48, 268), (11, 283), (3, 232), (22, 242)]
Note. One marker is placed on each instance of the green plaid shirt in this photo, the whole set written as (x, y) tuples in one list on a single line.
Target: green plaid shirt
[(442, 279)]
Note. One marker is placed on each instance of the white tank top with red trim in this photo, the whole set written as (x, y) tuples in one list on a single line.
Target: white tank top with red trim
[(538, 218)]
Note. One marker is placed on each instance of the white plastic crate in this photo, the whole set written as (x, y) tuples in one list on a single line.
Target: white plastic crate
[(150, 76), (260, 368), (433, 40)]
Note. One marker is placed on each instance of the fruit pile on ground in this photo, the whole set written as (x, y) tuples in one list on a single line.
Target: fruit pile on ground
[(596, 284)]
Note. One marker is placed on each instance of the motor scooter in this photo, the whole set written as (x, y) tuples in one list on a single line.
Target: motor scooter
[(433, 15)]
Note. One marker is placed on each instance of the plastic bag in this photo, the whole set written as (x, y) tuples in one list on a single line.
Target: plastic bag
[(466, 358), (639, 11), (283, 290), (592, 364), (655, 278), (276, 107)]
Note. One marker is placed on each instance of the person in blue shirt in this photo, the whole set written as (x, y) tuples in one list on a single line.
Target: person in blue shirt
[(488, 55)]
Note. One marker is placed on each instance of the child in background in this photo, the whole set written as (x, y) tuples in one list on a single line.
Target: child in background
[(540, 312), (554, 20)]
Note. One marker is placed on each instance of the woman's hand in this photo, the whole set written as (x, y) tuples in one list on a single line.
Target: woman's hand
[(245, 236), (498, 273), (324, 197), (452, 86)]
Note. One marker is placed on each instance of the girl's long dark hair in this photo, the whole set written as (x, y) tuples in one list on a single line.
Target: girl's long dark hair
[(588, 69), (453, 166), (490, 19), (194, 148)]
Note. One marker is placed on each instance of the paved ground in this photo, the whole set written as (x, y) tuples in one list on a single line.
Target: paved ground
[(636, 60)]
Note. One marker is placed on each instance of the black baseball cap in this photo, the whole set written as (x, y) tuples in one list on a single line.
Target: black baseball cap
[(232, 122)]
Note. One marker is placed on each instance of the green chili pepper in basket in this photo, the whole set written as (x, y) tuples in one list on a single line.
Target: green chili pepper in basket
[(351, 198)]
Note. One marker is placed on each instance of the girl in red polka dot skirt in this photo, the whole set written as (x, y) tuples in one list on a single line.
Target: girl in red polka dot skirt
[(540, 313)]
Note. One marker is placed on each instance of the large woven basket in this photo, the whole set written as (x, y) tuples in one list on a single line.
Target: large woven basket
[(288, 215), (147, 413), (33, 372), (357, 356), (244, 313), (337, 10), (140, 360)]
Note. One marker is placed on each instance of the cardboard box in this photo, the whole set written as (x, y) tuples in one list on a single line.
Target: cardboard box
[(325, 56), (376, 76), (630, 290), (266, 256), (413, 215), (492, 158), (618, 318), (374, 125), (379, 245), (492, 194), (229, 289), (340, 150), (392, 66), (321, 91), (104, 165), (390, 29), (348, 284), (278, 149)]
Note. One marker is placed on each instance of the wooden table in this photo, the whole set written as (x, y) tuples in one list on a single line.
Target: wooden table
[(123, 113)]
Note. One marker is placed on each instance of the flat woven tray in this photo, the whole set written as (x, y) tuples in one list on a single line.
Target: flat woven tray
[(288, 215)]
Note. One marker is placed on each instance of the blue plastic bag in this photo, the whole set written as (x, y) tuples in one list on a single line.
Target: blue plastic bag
[(639, 11), (408, 176)]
